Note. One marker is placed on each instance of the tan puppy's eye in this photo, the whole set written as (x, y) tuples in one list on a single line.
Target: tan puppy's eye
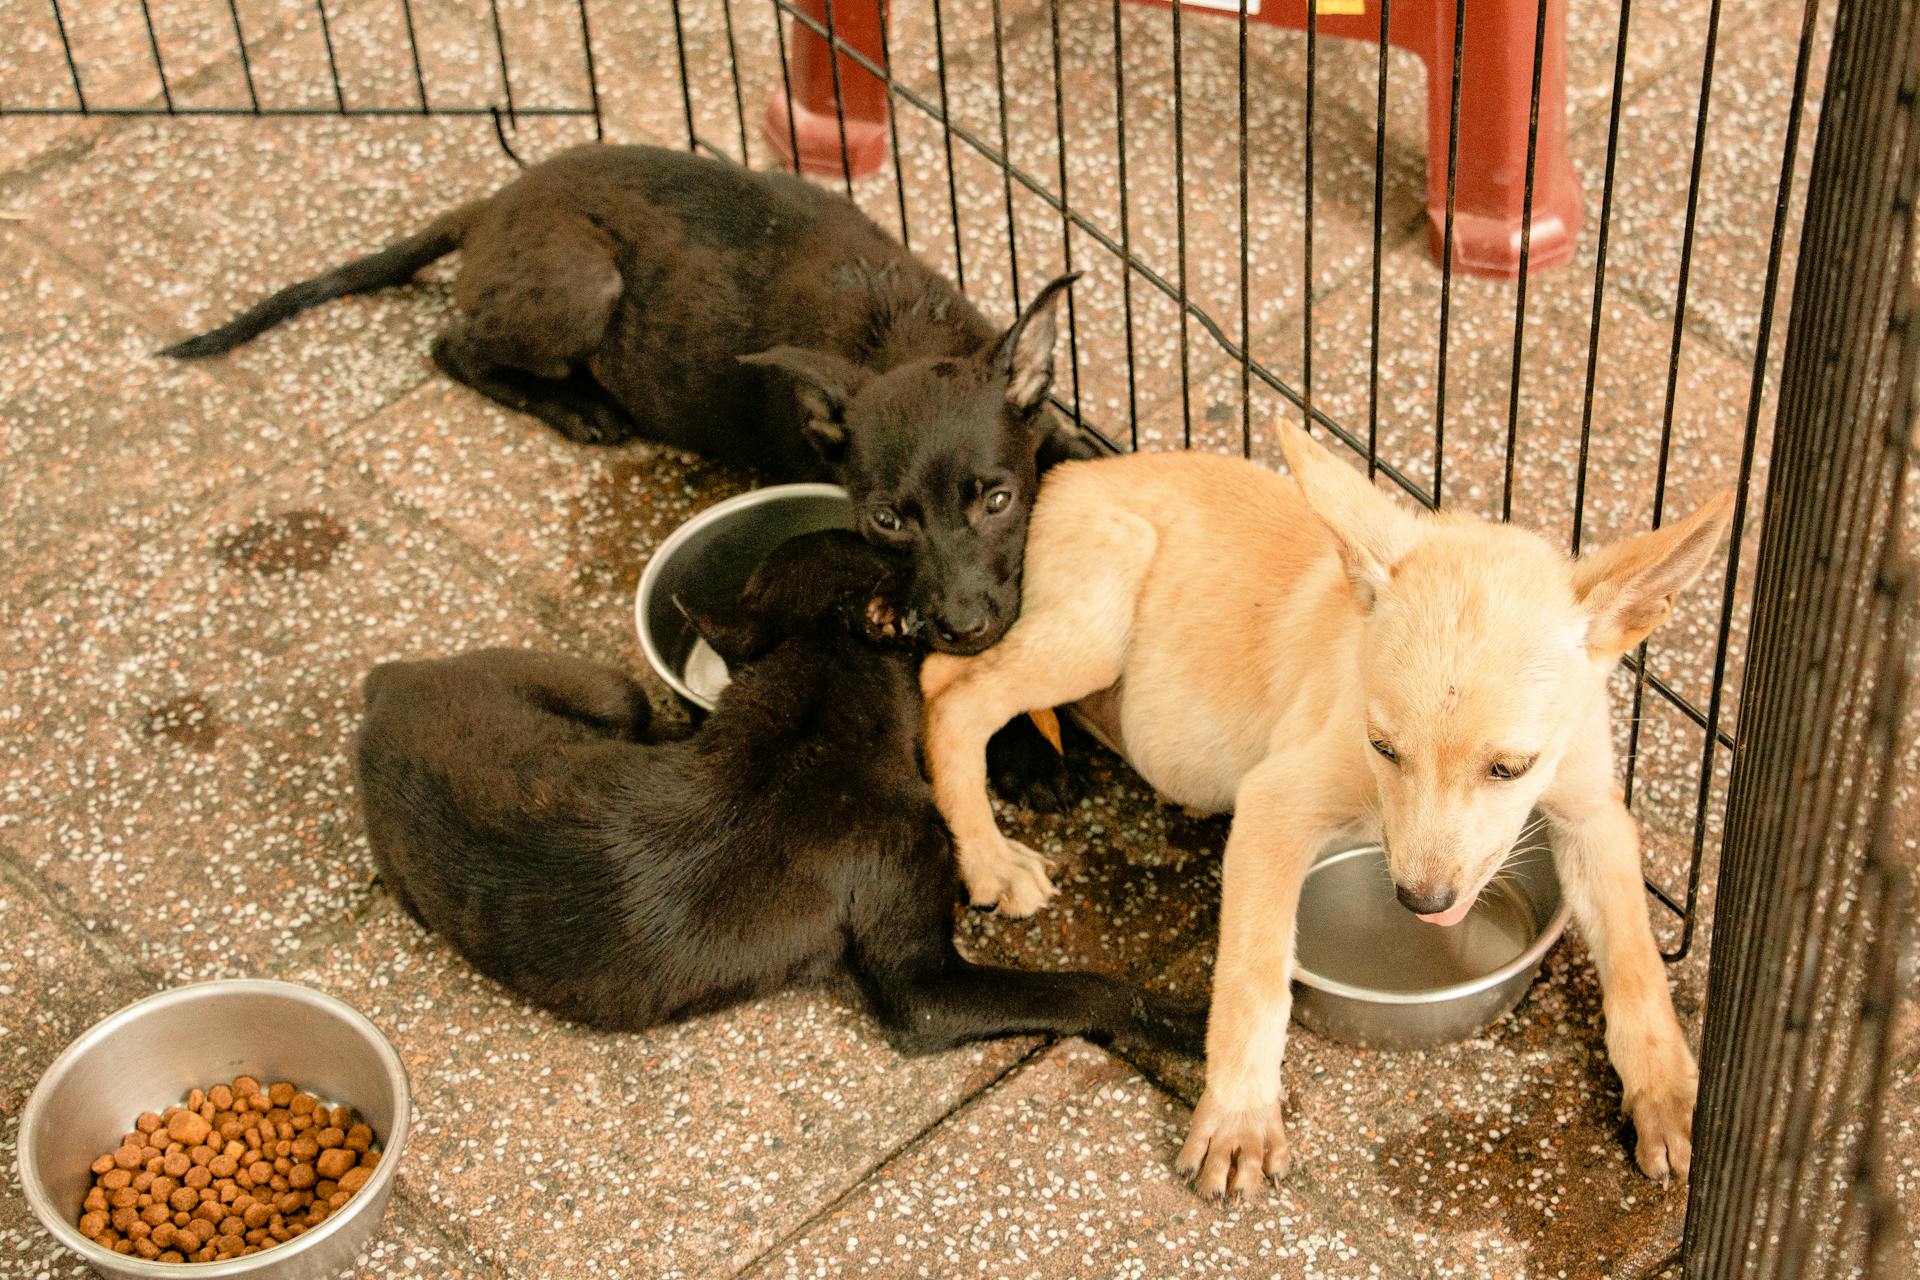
[(1508, 770), (1384, 747)]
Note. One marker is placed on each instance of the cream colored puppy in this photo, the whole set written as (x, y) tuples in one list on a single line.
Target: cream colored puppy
[(1306, 653)]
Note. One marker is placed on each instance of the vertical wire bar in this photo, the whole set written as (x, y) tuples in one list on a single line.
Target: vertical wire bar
[(893, 123), (1066, 223), (1006, 153), (593, 81), (1879, 1001), (1846, 359), (1180, 231), (1126, 234), (1854, 489), (1673, 364), (159, 65), (1756, 393), (1446, 254), (1379, 229), (1600, 271), (246, 63), (500, 48), (1526, 250), (413, 47), (1306, 267), (1743, 885), (733, 66), (786, 80), (73, 67), (840, 102), (1246, 310), (333, 65), (686, 83), (1835, 445), (946, 138), (1802, 1016)]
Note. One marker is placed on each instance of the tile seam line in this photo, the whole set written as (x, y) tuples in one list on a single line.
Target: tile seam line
[(761, 1261), (512, 583), (446, 1232), (323, 458), (142, 318), (103, 942)]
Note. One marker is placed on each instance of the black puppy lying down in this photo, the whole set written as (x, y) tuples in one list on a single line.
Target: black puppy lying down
[(615, 291), (515, 806)]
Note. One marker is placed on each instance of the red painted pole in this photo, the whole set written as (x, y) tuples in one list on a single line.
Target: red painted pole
[(852, 128), (1496, 87), (1496, 90)]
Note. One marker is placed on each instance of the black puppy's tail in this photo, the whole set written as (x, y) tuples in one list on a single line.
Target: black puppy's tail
[(393, 265)]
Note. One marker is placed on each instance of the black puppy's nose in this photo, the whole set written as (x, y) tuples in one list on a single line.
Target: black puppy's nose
[(1431, 903), (965, 630)]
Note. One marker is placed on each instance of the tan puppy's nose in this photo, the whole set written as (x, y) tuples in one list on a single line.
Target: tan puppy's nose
[(1427, 900)]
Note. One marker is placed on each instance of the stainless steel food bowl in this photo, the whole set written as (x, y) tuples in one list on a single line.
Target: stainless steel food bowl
[(1368, 972), (707, 561), (148, 1056)]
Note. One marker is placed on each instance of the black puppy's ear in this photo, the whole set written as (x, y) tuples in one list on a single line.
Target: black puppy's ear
[(1059, 442), (1024, 353), (825, 383), (737, 632)]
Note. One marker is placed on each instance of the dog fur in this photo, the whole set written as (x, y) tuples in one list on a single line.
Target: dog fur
[(516, 807), (614, 292), (1305, 653), (617, 292)]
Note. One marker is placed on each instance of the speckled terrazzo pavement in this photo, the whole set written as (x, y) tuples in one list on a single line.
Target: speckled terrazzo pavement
[(197, 563)]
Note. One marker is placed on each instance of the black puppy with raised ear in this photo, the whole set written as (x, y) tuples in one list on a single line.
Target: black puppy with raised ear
[(612, 291), (515, 806)]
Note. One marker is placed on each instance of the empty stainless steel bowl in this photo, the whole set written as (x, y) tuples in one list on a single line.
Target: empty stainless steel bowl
[(708, 560), (1368, 972), (150, 1054)]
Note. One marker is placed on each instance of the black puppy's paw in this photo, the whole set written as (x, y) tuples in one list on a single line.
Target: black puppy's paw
[(587, 423), (1025, 769)]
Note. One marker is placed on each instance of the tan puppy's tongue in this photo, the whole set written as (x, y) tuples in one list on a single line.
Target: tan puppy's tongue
[(1452, 915)]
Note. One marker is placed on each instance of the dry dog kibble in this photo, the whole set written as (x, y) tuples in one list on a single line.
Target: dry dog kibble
[(237, 1168)]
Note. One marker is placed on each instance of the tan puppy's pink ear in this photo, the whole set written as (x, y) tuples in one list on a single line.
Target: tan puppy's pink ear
[(1628, 589), (1373, 534)]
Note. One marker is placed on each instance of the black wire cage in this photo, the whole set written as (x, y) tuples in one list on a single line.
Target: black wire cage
[(1502, 281)]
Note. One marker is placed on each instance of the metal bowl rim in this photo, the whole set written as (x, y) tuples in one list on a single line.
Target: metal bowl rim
[(68, 1235), (656, 565), (1522, 963)]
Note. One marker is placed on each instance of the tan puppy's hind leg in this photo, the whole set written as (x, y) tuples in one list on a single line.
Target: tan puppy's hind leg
[(1071, 640)]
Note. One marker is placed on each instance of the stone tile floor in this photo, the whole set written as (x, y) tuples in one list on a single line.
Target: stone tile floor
[(197, 563)]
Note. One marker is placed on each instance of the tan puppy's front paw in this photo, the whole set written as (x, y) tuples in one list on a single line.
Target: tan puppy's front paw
[(1233, 1151), (1663, 1127), (1011, 879)]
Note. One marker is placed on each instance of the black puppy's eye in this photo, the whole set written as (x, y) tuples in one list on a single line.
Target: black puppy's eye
[(1508, 770), (999, 500), (1385, 748), (886, 519)]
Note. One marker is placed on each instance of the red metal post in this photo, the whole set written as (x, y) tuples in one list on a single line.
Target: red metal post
[(1496, 89), (813, 119)]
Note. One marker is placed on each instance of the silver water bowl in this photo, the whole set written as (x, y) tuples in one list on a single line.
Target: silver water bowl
[(149, 1055), (707, 561), (1368, 972)]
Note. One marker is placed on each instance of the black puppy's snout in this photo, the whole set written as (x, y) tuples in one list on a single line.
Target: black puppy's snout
[(1430, 903), (966, 631)]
